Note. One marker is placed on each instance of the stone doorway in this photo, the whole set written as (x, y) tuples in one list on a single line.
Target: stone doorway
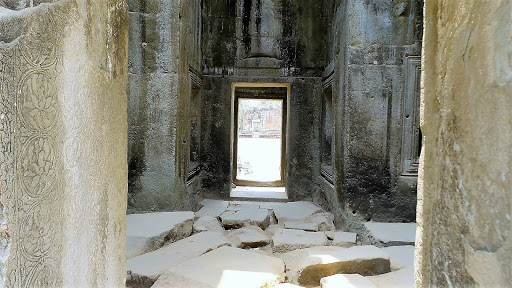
[(259, 140)]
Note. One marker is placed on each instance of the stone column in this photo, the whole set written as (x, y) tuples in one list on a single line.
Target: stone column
[(464, 196), (63, 182)]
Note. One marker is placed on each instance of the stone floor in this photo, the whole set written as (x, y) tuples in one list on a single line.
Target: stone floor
[(264, 244)]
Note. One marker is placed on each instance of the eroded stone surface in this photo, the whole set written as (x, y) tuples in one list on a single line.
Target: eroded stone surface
[(150, 231), (346, 281), (247, 216), (249, 237), (286, 240), (145, 269), (390, 234), (225, 267), (207, 223), (307, 266)]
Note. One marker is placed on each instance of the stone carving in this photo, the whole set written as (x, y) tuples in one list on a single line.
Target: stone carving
[(30, 145)]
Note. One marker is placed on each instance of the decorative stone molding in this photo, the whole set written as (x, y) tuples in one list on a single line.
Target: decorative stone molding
[(411, 142)]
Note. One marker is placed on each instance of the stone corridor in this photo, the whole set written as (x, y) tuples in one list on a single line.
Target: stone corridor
[(232, 244)]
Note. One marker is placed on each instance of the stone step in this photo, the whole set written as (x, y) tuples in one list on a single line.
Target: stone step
[(249, 237), (207, 223), (225, 267), (346, 281), (247, 216), (286, 240), (391, 234), (307, 266), (145, 269), (150, 231)]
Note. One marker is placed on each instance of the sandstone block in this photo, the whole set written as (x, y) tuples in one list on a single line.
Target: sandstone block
[(295, 211), (247, 216), (150, 231), (306, 226), (286, 240), (145, 269), (307, 266), (325, 221), (392, 234), (225, 267), (250, 237), (207, 223)]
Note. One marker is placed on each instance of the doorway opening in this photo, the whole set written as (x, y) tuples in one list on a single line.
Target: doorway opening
[(259, 141)]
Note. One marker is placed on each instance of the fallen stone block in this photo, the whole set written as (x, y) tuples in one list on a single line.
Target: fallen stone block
[(207, 223), (150, 231), (249, 237), (212, 208), (145, 269), (295, 211), (225, 267), (346, 281), (344, 239), (247, 216), (286, 240), (307, 266), (392, 234), (324, 220), (311, 227)]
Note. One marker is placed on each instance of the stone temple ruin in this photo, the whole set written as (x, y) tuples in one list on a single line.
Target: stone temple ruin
[(255, 143)]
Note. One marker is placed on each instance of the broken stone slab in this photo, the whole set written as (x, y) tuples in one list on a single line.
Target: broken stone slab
[(344, 239), (400, 256), (286, 240), (346, 281), (392, 234), (403, 278), (247, 216), (307, 266), (207, 223), (249, 237), (225, 267), (145, 269), (324, 220), (311, 227), (212, 208), (295, 211), (150, 231)]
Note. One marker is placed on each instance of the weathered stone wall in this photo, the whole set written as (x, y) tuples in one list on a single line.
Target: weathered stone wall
[(465, 203), (263, 42), (369, 42), (63, 143), (164, 46)]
